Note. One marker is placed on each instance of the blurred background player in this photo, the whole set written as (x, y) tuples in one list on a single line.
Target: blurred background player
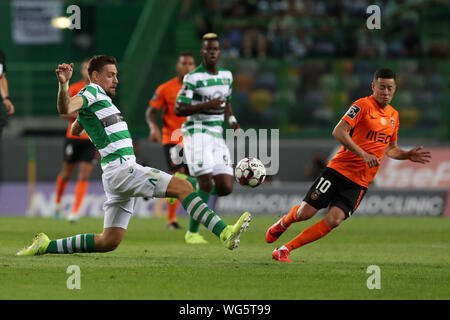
[(77, 149), (205, 100), (165, 96), (367, 132), (4, 92)]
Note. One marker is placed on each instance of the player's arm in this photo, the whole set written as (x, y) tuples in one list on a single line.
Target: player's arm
[(342, 133), (231, 118), (69, 116), (77, 129), (4, 91), (184, 106), (150, 116), (66, 105), (415, 155), (186, 109)]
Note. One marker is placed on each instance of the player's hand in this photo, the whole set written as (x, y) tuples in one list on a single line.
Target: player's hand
[(371, 160), (9, 106), (216, 104), (64, 72), (235, 126), (417, 155), (155, 135)]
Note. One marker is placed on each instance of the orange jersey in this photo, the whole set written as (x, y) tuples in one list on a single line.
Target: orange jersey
[(166, 95), (372, 129), (73, 90)]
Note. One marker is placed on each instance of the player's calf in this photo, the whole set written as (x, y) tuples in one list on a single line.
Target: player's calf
[(109, 239)]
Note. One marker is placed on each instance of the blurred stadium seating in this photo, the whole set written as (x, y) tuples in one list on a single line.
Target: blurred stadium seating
[(297, 64)]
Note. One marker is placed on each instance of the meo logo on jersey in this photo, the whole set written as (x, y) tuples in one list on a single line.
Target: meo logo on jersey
[(353, 111)]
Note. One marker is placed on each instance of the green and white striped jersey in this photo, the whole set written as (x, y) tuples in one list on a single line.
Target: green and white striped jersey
[(200, 86), (104, 124)]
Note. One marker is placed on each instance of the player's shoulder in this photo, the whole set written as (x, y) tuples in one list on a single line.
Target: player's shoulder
[(225, 72), (222, 69), (362, 103), (94, 92), (169, 83)]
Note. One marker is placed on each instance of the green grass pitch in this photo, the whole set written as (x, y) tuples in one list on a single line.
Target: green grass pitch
[(153, 263)]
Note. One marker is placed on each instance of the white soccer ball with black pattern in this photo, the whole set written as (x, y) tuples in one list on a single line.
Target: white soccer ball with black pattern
[(250, 172)]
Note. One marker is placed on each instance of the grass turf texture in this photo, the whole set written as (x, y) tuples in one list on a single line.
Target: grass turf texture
[(155, 263)]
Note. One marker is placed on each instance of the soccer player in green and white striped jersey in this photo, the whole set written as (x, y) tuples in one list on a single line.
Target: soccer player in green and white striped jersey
[(123, 179), (205, 100)]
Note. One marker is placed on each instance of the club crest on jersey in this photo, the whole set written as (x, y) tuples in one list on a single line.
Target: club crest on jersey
[(353, 111), (315, 195), (392, 122)]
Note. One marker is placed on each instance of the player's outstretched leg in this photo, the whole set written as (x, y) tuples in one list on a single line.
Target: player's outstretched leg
[(108, 240), (333, 218), (199, 211)]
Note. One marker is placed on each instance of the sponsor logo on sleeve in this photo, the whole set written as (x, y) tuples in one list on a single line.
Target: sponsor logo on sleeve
[(353, 111)]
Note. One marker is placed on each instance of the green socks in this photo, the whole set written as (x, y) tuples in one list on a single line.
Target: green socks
[(201, 213), (78, 243), (193, 224)]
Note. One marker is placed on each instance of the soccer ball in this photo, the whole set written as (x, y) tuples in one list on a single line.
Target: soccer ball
[(250, 172)]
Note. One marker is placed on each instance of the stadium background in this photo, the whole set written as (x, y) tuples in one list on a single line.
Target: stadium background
[(297, 66)]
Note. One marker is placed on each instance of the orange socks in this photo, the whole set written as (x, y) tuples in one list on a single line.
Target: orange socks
[(290, 217), (80, 191), (172, 212), (308, 235), (60, 188)]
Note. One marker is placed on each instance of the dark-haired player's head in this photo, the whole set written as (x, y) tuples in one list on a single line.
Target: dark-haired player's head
[(185, 64), (102, 70), (210, 49), (383, 86)]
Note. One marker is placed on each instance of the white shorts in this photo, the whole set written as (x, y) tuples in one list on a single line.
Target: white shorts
[(125, 181), (205, 153)]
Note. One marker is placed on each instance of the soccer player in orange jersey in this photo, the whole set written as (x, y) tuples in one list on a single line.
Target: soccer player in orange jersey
[(165, 96), (77, 149), (367, 132)]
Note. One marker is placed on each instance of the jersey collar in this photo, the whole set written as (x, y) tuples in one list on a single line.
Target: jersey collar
[(99, 89), (378, 105)]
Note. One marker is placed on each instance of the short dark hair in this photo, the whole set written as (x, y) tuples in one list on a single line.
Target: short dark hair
[(96, 63), (185, 54), (384, 73)]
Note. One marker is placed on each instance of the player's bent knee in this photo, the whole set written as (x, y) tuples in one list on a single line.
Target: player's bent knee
[(334, 218), (186, 186), (224, 191), (179, 188)]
